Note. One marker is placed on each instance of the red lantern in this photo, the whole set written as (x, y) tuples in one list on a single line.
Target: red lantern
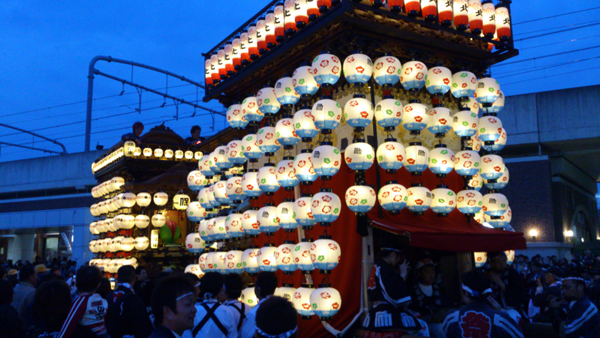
[(270, 29), (252, 42), (412, 7), (261, 35), (207, 72), (279, 22), (489, 19), (300, 13), (429, 9), (475, 16), (395, 5), (461, 14), (313, 9), (445, 12), (245, 55), (290, 22), (502, 23)]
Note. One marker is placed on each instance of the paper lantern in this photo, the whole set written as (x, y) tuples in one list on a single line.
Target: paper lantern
[(479, 217), (267, 219), (203, 262), (303, 212), (217, 230), (392, 197), (249, 260), (266, 258), (300, 13), (267, 142), (492, 167), (286, 177), (326, 160), (233, 261), (360, 198), (250, 222), (116, 183), (441, 160), (502, 23), (92, 247), (204, 167), (498, 105), (415, 117), (326, 69), (359, 156), (440, 121), (461, 14), (499, 183), (304, 124), (212, 198), (488, 90), (285, 132), (490, 128), (358, 68), (467, 163), (235, 117), (250, 110), (475, 13), (465, 123), (250, 184), (143, 199), (218, 262), (390, 155), (286, 292), (358, 112), (301, 301), (93, 229), (234, 190), (181, 201), (494, 204), (417, 158), (327, 114), (250, 146), (445, 13), (476, 182), (261, 35), (325, 254), (248, 297), (179, 154), (443, 200), (326, 302), (303, 167), (203, 231), (469, 201), (270, 25), (285, 91), (438, 80), (302, 257), (474, 143), (100, 227), (158, 220), (158, 152), (221, 158), (500, 222), (303, 81), (196, 180), (285, 215), (203, 198), (387, 71), (235, 153), (419, 198), (220, 191), (233, 225), (413, 75), (326, 206), (284, 255), (267, 179), (160, 198), (129, 200), (194, 243), (480, 258), (127, 222), (489, 19), (194, 269), (463, 84), (194, 212), (388, 113)]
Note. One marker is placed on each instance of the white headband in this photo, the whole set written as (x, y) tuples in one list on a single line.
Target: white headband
[(183, 296), (281, 335), (475, 293), (390, 249)]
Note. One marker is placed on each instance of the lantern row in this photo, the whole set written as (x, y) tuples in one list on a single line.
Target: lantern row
[(128, 200), (292, 15), (113, 265), (119, 244), (108, 187)]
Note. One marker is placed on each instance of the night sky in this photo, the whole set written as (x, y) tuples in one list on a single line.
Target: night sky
[(46, 47)]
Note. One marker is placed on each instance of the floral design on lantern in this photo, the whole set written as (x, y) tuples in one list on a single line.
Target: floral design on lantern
[(488, 90), (303, 81), (415, 117), (326, 160), (419, 198), (193, 243), (304, 124), (196, 180), (441, 160), (248, 296), (358, 112), (301, 301), (235, 117), (467, 163), (285, 215), (417, 158), (250, 110), (359, 155), (327, 114), (388, 113), (285, 173), (203, 198), (465, 123), (220, 191), (303, 211), (387, 71), (499, 143), (443, 200), (393, 197), (413, 75), (218, 262), (498, 105), (490, 128), (494, 204), (502, 221), (440, 120), (250, 184), (303, 167), (390, 155), (267, 179), (195, 212), (285, 91), (234, 189), (302, 255), (285, 257), (438, 80), (463, 84), (250, 222), (469, 201), (267, 101), (326, 302), (267, 219), (492, 167), (250, 147), (233, 261), (285, 132), (325, 254), (233, 225), (360, 198), (267, 142), (204, 167), (500, 183), (476, 182), (326, 206), (326, 69), (194, 269), (236, 152), (266, 258), (217, 229), (358, 68)]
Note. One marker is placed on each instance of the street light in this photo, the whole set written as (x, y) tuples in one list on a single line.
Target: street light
[(533, 233)]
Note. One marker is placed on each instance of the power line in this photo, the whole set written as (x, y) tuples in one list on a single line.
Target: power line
[(560, 27), (558, 43), (561, 31), (547, 56), (515, 73), (555, 16), (543, 77)]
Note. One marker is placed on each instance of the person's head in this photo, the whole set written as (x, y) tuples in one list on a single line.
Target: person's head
[(104, 288), (173, 304), (126, 274), (138, 128), (6, 292), (196, 131), (142, 274), (475, 286), (276, 316), (194, 280), (573, 288), (233, 285), (55, 270), (51, 304), (553, 274), (391, 256), (498, 261), (266, 283), (88, 279), (211, 285), (28, 274), (426, 271)]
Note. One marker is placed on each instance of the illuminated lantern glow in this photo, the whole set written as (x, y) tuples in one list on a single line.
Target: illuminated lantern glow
[(147, 152), (492, 167), (465, 123), (261, 35), (445, 13), (494, 204), (303, 81), (252, 42), (203, 263), (220, 191), (236, 56), (469, 201), (233, 261), (475, 16), (461, 14), (279, 21), (251, 148), (419, 198), (267, 101), (221, 63), (285, 215), (304, 124), (289, 16), (300, 13), (236, 152), (248, 297), (229, 58), (467, 163), (301, 301), (179, 154), (158, 220), (129, 200), (235, 117), (93, 229), (204, 167), (193, 243), (439, 80), (116, 183), (500, 183), (181, 201), (160, 198), (464, 84), (195, 212), (476, 182), (214, 71), (489, 19), (479, 217), (284, 254), (266, 258), (313, 9), (267, 179), (326, 69), (233, 225), (285, 132), (498, 105), (303, 212), (270, 37), (196, 180), (286, 177), (490, 128), (360, 198), (390, 155), (234, 190), (480, 259), (358, 112), (218, 262), (303, 167), (392, 197), (244, 54), (326, 160), (267, 219), (358, 68), (387, 71), (417, 158), (198, 156), (503, 23), (413, 75), (429, 9), (324, 6), (189, 155), (212, 199), (325, 254), (326, 302), (388, 113), (286, 291), (501, 222), (302, 255), (443, 200), (285, 91), (250, 184), (267, 142), (250, 111), (127, 222), (412, 7), (440, 121), (359, 155), (326, 206), (415, 117), (203, 231), (203, 198), (250, 222), (441, 160), (474, 143), (194, 269), (217, 229), (207, 72), (488, 91)]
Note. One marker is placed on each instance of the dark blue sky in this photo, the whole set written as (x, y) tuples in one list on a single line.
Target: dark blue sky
[(45, 49)]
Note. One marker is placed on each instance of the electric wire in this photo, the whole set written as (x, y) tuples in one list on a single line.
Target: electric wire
[(547, 56), (519, 72), (558, 43), (555, 16), (552, 33), (543, 77)]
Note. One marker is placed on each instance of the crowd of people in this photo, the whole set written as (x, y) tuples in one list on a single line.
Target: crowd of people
[(499, 300)]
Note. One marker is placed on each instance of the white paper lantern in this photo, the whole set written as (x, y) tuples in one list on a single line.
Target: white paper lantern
[(285, 132), (218, 230), (304, 82), (250, 184), (266, 258), (441, 160), (360, 198), (203, 262), (143, 199), (250, 110), (204, 167), (413, 75), (499, 183), (415, 117), (161, 198), (498, 105), (267, 101), (267, 179), (440, 120), (129, 200), (221, 158), (116, 183), (218, 262), (492, 167), (285, 215), (233, 261), (327, 114), (235, 117), (438, 80), (499, 143), (490, 128), (195, 212), (285, 257), (250, 147), (203, 230), (302, 255), (326, 68), (250, 222), (326, 206), (443, 200), (181, 201), (127, 222), (220, 191), (326, 160), (325, 254), (358, 112), (203, 198), (286, 177), (488, 91), (359, 156), (303, 212), (387, 71), (301, 301), (419, 198), (249, 260), (286, 291), (467, 163), (388, 113), (501, 222), (326, 302), (196, 180), (194, 269), (417, 158), (480, 258), (285, 91), (93, 229), (267, 142), (210, 194), (233, 225), (465, 123), (469, 201), (303, 167), (393, 197), (463, 84), (304, 124), (390, 155), (194, 243), (267, 219), (235, 153), (158, 220), (494, 204), (476, 182), (248, 297), (210, 233), (234, 189), (358, 68)]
